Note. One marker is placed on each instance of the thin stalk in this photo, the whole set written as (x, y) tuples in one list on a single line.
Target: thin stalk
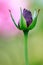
[(26, 47)]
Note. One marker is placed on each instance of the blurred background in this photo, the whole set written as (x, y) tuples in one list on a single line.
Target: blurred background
[(12, 39)]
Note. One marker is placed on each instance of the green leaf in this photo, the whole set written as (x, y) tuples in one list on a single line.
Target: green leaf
[(32, 25), (22, 22)]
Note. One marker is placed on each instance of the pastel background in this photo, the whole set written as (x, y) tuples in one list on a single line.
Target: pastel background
[(6, 24), (12, 40)]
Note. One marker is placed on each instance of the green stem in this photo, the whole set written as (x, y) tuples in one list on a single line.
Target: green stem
[(26, 47)]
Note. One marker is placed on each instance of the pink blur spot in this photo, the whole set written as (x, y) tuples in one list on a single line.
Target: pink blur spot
[(6, 25)]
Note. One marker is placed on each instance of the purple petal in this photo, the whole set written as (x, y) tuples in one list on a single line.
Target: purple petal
[(28, 16)]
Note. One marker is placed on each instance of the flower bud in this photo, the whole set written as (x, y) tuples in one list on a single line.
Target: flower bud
[(26, 21)]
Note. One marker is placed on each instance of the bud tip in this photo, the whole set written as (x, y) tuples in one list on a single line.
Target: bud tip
[(38, 10), (9, 10)]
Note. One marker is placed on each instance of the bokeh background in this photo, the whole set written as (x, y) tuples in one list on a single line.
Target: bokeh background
[(12, 39)]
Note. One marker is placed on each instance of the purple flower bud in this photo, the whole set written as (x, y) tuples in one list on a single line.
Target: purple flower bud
[(26, 21), (28, 16)]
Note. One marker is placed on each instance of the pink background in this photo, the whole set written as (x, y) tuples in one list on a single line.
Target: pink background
[(6, 24)]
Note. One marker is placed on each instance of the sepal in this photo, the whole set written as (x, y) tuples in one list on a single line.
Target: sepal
[(35, 16), (23, 25), (13, 19)]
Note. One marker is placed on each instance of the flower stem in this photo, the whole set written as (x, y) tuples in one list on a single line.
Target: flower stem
[(26, 47)]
